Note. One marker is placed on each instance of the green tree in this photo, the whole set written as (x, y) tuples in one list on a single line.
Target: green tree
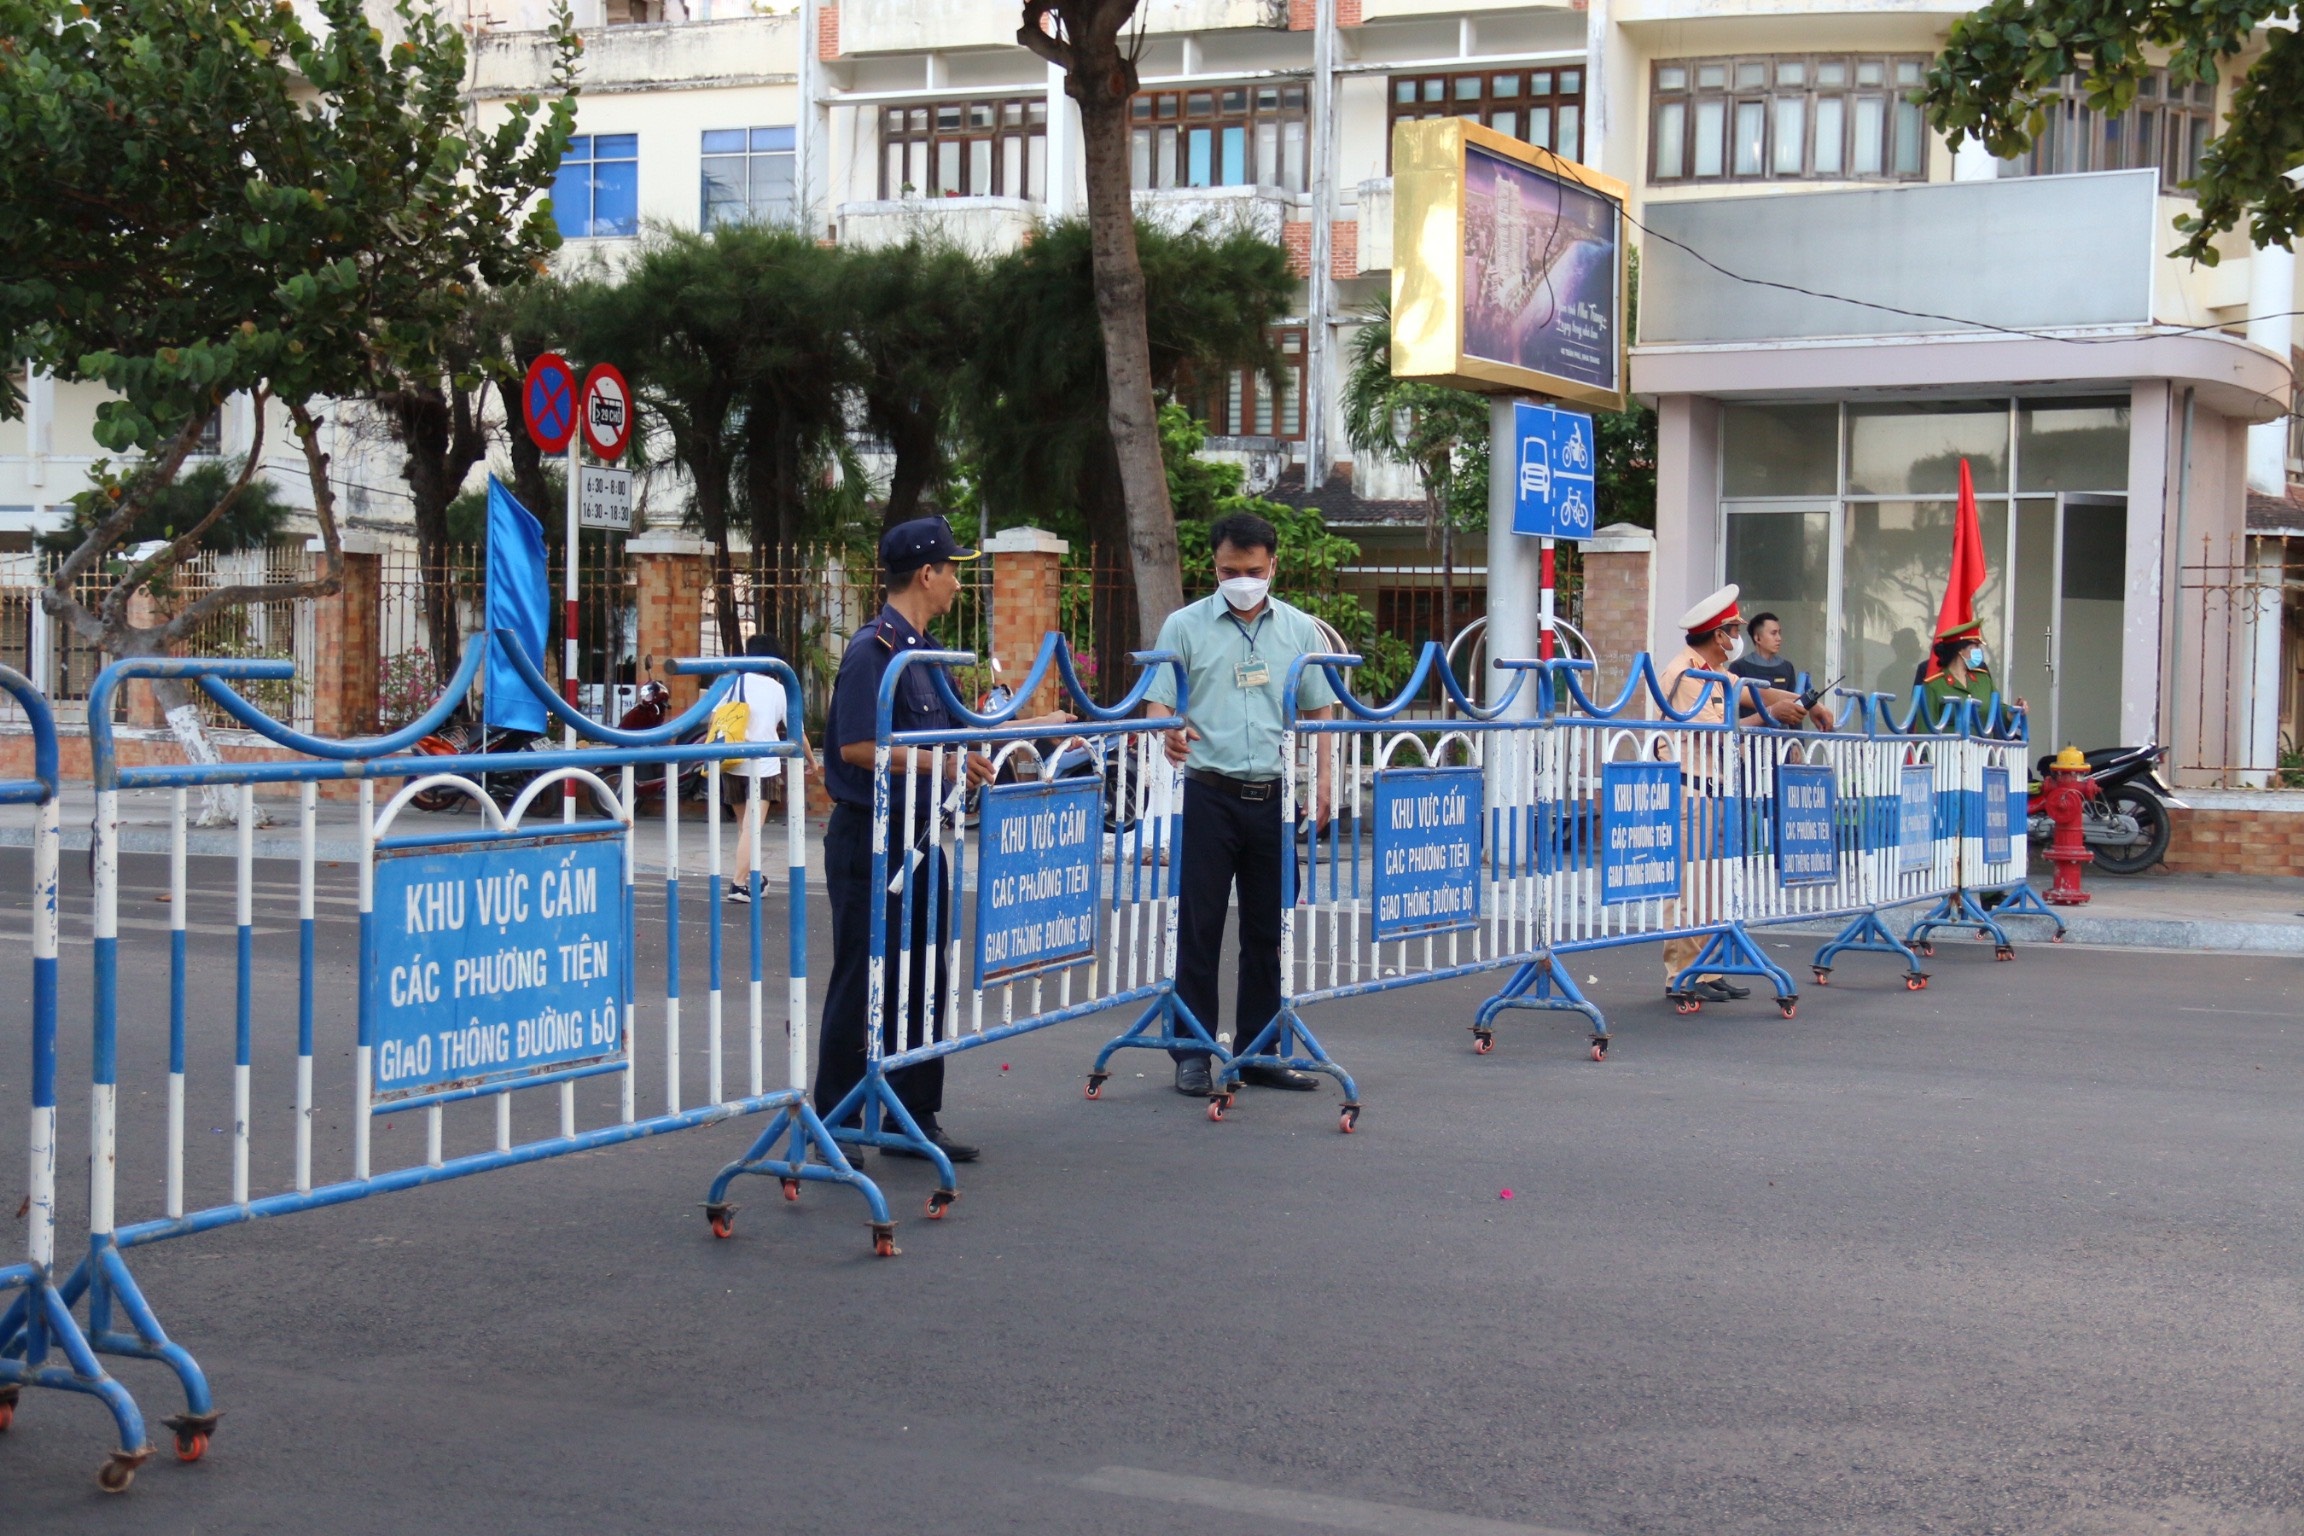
[(732, 343), (2000, 62), (254, 518), (1092, 42), (1034, 411), (202, 198), (914, 319)]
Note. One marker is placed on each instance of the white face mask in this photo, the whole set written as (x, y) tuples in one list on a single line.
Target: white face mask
[(1244, 592), (1735, 646)]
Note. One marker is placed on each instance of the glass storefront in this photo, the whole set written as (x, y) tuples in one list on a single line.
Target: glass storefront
[(1838, 518)]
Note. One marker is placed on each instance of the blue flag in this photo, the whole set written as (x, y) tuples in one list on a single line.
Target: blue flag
[(520, 600)]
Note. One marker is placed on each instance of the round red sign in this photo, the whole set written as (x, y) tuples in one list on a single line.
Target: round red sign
[(607, 415), (548, 398)]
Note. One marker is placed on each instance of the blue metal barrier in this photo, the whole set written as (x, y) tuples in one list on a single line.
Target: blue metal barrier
[(1075, 879), (481, 924), (38, 1324)]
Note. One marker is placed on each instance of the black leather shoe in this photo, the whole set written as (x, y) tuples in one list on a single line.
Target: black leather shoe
[(1279, 1077), (957, 1151), (1735, 992), (1710, 992), (1192, 1077)]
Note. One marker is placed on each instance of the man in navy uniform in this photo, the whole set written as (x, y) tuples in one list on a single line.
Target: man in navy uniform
[(921, 562)]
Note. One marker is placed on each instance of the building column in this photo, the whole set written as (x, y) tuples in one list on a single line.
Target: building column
[(347, 650), (1063, 134), (672, 570), (1688, 531), (1027, 596), (2271, 294), (1313, 408), (1619, 569), (1515, 571)]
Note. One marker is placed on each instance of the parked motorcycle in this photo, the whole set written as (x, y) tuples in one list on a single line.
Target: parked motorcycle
[(459, 736), (2125, 820)]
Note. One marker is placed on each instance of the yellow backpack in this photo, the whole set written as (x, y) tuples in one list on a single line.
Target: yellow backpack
[(730, 721)]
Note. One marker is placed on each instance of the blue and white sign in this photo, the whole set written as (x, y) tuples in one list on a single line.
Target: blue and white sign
[(1639, 831), (489, 962), (1427, 851), (1039, 876), (1552, 490), (1916, 818), (1998, 816), (1807, 811)]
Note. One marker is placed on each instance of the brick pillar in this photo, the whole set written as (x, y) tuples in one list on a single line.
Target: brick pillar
[(1618, 565), (143, 704), (674, 570), (347, 651), (1027, 580)]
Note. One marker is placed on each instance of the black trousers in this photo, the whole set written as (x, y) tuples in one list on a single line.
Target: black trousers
[(840, 1048), (1229, 842)]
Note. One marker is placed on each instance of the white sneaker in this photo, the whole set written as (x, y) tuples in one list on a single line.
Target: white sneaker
[(739, 892)]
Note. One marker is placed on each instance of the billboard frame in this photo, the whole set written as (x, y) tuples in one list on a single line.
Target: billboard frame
[(1428, 246)]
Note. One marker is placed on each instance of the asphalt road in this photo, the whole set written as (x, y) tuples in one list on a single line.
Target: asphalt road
[(2015, 1254)]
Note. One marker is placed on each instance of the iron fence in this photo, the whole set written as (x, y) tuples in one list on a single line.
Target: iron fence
[(2240, 638)]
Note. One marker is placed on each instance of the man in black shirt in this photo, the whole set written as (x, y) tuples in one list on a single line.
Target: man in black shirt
[(1766, 664)]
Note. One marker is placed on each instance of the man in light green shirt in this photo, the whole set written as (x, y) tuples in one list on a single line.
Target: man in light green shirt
[(1237, 647)]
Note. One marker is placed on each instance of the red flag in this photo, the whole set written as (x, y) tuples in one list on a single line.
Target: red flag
[(1966, 580)]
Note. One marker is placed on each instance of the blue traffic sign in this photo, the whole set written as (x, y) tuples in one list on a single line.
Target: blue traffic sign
[(1639, 831), (1038, 878), (1427, 851), (1554, 452), (548, 398)]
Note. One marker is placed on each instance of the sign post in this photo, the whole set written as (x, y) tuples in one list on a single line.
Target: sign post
[(548, 400)]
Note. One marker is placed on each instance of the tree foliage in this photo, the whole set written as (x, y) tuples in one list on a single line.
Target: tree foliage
[(200, 198), (2000, 61)]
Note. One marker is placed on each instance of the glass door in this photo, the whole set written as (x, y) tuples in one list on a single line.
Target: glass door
[(2064, 649)]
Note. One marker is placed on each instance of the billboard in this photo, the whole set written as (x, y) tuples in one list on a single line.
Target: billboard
[(1508, 266)]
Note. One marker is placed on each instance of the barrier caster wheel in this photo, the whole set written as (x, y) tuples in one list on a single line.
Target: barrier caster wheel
[(1924, 949), (1823, 975), (1687, 1005), (191, 1447), (1096, 1084), (1787, 1006), (192, 1432), (940, 1201), (1349, 1119), (723, 1219), (792, 1190), (1599, 1047), (7, 1408), (884, 1240), (1983, 933), (1915, 982), (1483, 1041), (1216, 1107), (2004, 952), (120, 1470), (2057, 937)]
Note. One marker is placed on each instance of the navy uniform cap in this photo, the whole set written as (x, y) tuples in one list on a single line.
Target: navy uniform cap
[(922, 541)]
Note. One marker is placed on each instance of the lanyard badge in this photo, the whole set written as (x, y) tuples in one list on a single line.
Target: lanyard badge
[(1253, 672)]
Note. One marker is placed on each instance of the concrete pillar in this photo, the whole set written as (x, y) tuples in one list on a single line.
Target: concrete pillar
[(2271, 294), (1688, 542), (1515, 569), (1973, 162), (2260, 684), (1619, 569), (347, 651), (1027, 592), (1063, 149), (673, 570)]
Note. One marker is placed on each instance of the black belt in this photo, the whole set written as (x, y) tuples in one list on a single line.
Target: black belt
[(1255, 791)]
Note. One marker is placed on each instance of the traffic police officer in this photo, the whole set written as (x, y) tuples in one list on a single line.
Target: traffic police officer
[(1237, 646)]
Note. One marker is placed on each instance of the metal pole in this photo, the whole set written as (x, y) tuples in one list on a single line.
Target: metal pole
[(568, 616), (1314, 405), (1544, 603)]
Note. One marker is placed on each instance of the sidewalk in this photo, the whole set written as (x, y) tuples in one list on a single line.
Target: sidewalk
[(2251, 914)]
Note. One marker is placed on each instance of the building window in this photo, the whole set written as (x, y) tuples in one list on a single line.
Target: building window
[(747, 176), (966, 149), (1228, 136), (212, 435), (1787, 117), (1241, 403), (2166, 129), (597, 193), (1543, 107)]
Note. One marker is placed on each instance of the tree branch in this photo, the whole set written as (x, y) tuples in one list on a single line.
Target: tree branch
[(1035, 37), (116, 603), (121, 518)]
